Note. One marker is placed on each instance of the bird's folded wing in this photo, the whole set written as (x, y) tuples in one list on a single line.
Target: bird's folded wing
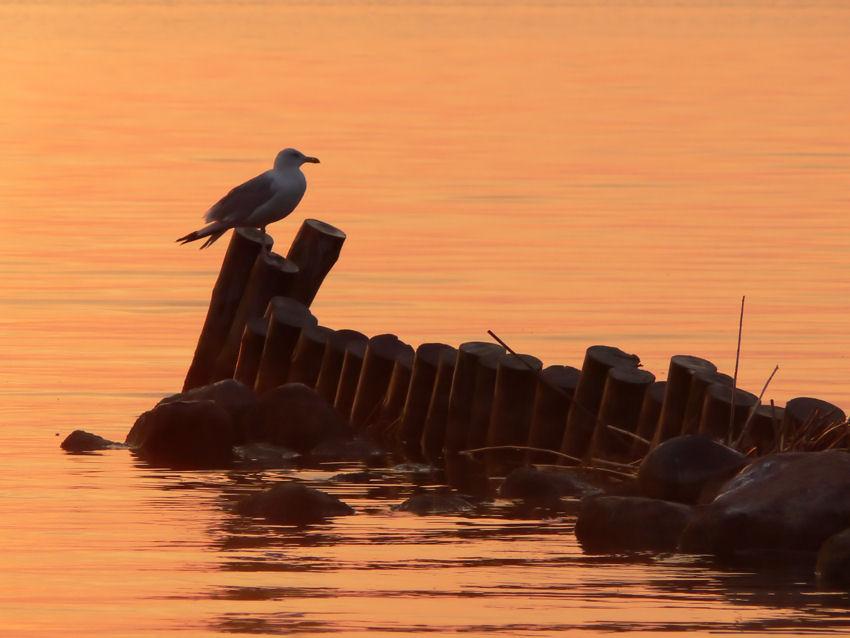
[(243, 200)]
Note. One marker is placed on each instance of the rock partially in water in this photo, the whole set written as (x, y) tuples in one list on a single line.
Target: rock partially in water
[(340, 448), (293, 416), (292, 503), (235, 397), (82, 441), (682, 468), (184, 434), (429, 503), (532, 484), (630, 523), (833, 566), (265, 455), (781, 502)]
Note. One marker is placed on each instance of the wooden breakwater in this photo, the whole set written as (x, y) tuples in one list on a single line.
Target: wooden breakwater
[(439, 400)]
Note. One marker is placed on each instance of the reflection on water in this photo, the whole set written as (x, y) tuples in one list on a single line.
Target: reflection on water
[(562, 173)]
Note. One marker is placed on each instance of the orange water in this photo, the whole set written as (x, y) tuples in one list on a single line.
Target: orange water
[(592, 172)]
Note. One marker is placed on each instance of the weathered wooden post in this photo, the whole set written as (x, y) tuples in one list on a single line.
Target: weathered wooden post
[(349, 376), (271, 275), (328, 381), (482, 400), (245, 245), (696, 397), (510, 415), (459, 413), (581, 421), (814, 415), (393, 403), (307, 355), (621, 405), (378, 363), (422, 378), (286, 318), (434, 432), (650, 411), (679, 376), (315, 250), (717, 410), (250, 351), (552, 399)]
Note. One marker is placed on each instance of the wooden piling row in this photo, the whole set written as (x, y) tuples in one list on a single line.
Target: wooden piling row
[(286, 318), (382, 352), (679, 377), (434, 431), (423, 375), (307, 355), (329, 374), (620, 407), (552, 399)]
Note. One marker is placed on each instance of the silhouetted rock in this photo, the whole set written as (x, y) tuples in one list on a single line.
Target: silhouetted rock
[(235, 397), (781, 502), (81, 441), (833, 566), (293, 416), (545, 485), (630, 523), (184, 434), (681, 468), (435, 503), (294, 504)]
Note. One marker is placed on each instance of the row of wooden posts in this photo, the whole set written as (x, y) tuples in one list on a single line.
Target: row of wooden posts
[(440, 399)]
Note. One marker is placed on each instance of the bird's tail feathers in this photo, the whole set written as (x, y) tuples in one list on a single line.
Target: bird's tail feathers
[(213, 232)]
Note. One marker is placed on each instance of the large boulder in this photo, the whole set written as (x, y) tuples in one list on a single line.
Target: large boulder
[(630, 523), (833, 566), (683, 468), (293, 416), (293, 503), (435, 503), (232, 395), (781, 502), (184, 434), (531, 484), (82, 441)]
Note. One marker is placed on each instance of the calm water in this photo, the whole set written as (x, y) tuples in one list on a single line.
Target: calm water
[(564, 174)]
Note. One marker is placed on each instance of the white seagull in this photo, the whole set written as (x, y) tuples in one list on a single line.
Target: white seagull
[(264, 199)]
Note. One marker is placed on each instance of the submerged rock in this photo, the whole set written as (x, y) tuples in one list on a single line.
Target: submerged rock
[(781, 502), (547, 485), (347, 449), (265, 455), (630, 523), (184, 434), (82, 441), (682, 468), (294, 504), (294, 416), (833, 566), (435, 503)]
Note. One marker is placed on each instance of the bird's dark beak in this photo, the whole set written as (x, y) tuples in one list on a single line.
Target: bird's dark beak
[(312, 160)]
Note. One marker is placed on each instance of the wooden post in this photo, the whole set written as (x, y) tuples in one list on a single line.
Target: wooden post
[(717, 410), (250, 351), (308, 354), (510, 417), (621, 405), (245, 245), (552, 399), (328, 381), (434, 432), (393, 403), (286, 318), (682, 369), (764, 428), (271, 275), (581, 421), (349, 375), (378, 363), (696, 397), (482, 400), (422, 378), (650, 412), (816, 415), (315, 250), (459, 414)]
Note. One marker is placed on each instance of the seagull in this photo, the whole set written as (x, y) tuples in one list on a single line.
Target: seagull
[(264, 199)]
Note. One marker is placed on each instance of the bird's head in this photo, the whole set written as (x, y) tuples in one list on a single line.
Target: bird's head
[(292, 158)]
